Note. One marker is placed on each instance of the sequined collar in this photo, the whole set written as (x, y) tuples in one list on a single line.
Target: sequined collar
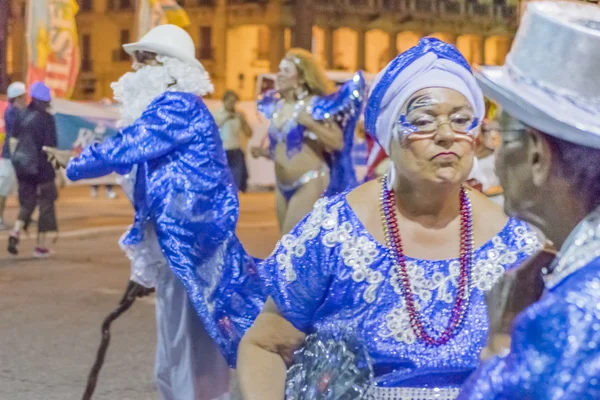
[(582, 247)]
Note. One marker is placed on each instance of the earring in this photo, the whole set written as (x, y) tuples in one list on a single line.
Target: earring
[(391, 176), (473, 168)]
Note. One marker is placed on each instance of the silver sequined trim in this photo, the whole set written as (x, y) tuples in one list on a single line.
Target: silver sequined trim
[(406, 393), (581, 248)]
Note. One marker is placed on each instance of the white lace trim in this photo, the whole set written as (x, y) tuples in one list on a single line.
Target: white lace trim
[(581, 248), (407, 393), (357, 253), (486, 273)]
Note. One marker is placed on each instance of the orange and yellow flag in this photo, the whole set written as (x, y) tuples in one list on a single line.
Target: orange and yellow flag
[(151, 13), (53, 45)]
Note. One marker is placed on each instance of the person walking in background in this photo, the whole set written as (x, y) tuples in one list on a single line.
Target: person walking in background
[(36, 176), (231, 125), (17, 99)]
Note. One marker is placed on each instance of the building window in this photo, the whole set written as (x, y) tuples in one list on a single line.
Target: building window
[(86, 53), (86, 5), (205, 51), (119, 5), (120, 54), (263, 43)]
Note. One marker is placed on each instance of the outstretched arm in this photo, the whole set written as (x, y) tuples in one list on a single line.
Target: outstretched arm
[(166, 124)]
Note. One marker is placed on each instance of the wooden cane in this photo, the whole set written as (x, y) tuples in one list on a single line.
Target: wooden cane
[(131, 293)]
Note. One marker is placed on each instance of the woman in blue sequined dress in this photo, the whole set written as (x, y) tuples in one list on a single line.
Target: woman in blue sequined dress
[(403, 263), (310, 135)]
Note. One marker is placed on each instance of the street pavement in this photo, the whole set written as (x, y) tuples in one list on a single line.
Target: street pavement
[(51, 310)]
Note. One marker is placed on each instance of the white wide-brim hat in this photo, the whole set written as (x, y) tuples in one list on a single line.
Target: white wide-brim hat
[(167, 40), (551, 78)]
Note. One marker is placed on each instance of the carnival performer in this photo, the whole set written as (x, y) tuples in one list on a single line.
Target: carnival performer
[(310, 135), (183, 238), (548, 166), (402, 262)]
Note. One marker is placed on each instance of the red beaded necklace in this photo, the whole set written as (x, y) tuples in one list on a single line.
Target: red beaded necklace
[(394, 242)]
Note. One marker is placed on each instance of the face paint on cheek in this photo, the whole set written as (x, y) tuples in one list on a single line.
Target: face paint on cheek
[(406, 130)]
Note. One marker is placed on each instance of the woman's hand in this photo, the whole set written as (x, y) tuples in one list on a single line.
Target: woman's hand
[(258, 152), (328, 132), (499, 345), (305, 119), (58, 158), (264, 354)]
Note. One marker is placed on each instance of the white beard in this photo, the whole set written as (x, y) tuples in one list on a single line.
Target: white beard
[(136, 90)]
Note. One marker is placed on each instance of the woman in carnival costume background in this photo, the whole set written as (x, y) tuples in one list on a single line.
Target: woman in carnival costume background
[(310, 135), (403, 262)]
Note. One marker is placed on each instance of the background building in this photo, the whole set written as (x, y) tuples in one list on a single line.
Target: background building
[(240, 39)]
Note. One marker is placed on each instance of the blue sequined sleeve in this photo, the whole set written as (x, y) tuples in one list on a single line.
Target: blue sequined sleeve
[(163, 126), (523, 243), (298, 273), (266, 103), (554, 352)]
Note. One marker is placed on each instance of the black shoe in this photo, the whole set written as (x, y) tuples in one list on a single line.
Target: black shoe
[(13, 245)]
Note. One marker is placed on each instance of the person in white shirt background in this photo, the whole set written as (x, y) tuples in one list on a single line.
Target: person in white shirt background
[(232, 124)]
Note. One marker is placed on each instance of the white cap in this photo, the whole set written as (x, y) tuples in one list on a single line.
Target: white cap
[(167, 40), (16, 89)]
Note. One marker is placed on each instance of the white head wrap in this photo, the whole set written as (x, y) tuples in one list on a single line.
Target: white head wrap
[(432, 63), (429, 70)]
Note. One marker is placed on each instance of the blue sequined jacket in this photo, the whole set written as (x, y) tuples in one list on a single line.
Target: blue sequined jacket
[(555, 349), (184, 189), (344, 108)]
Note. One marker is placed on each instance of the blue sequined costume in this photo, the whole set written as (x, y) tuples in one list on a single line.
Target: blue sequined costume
[(343, 107), (555, 349), (183, 188), (329, 272)]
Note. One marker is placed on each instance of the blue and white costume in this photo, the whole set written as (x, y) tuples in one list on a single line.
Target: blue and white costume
[(329, 273), (185, 200), (344, 108)]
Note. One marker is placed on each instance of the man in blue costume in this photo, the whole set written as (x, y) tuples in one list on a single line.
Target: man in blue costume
[(186, 208), (549, 165)]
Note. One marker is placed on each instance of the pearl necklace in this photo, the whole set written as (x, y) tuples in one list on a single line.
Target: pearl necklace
[(394, 243)]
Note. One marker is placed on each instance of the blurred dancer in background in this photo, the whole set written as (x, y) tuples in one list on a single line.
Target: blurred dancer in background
[(310, 135)]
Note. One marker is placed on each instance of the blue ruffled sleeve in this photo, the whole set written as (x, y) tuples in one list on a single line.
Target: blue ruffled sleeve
[(266, 103), (344, 108), (521, 241), (554, 352), (163, 126), (299, 272)]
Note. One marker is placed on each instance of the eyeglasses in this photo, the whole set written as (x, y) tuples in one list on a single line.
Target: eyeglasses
[(426, 126), (143, 57)]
